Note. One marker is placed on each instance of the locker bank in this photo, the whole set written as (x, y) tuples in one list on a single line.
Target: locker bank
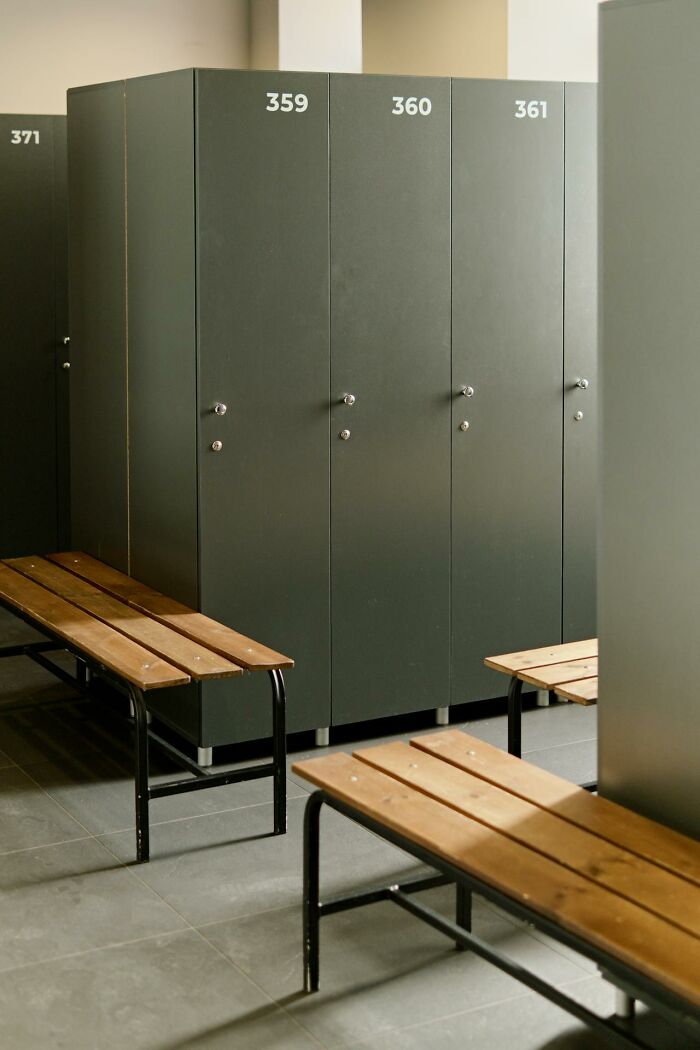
[(349, 572)]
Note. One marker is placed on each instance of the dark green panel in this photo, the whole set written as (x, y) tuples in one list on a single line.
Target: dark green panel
[(580, 361), (262, 210), (28, 514), (61, 329), (390, 338), (161, 333), (507, 199), (99, 483)]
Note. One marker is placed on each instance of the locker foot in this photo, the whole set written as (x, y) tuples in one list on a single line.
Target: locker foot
[(442, 716), (624, 1005), (205, 756), (323, 737), (543, 698)]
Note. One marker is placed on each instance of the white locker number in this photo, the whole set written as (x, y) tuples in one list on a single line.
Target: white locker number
[(411, 106), (23, 138), (286, 102), (533, 109)]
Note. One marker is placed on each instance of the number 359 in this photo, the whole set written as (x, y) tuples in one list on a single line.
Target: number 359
[(286, 102)]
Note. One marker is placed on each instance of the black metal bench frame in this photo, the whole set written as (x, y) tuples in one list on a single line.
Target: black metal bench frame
[(88, 666), (614, 1030)]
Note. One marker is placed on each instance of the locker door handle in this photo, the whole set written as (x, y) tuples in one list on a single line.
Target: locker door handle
[(582, 384)]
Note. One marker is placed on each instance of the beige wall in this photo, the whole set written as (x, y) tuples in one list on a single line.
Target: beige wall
[(463, 38), (553, 39), (47, 46)]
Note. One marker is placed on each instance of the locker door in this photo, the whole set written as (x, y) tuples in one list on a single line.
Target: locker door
[(390, 350), (507, 199), (28, 519), (262, 213), (580, 363)]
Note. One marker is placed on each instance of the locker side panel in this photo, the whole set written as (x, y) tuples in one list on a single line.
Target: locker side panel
[(262, 212), (390, 339), (580, 361), (162, 379), (28, 518), (507, 293), (98, 395)]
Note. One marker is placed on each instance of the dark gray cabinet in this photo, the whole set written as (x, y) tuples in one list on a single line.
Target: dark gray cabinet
[(390, 351), (580, 363), (507, 289), (33, 319), (281, 283)]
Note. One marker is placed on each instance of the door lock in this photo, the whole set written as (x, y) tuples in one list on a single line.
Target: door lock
[(344, 435), (468, 391), (220, 408), (582, 384), (349, 399), (216, 446), (578, 416), (464, 425)]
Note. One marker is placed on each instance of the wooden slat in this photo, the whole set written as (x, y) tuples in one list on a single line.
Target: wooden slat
[(584, 691), (656, 889), (556, 674), (652, 946), (511, 663), (110, 648), (222, 640), (621, 826), (189, 656)]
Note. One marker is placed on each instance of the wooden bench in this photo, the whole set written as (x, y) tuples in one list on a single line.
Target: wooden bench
[(137, 640), (610, 884), (570, 671)]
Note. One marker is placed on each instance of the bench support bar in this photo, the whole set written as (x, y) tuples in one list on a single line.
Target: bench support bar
[(615, 1031)]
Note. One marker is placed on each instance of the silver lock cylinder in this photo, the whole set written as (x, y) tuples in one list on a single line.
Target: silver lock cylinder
[(220, 408), (349, 399), (468, 391), (578, 416), (464, 425), (66, 365), (216, 446), (582, 384), (344, 435)]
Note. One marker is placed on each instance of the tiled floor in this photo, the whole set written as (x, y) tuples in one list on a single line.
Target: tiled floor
[(201, 948)]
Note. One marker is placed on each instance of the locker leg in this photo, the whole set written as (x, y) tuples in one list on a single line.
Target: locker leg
[(543, 698), (323, 737), (624, 1004), (442, 716), (205, 756)]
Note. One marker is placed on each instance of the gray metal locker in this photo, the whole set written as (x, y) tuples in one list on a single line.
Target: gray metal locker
[(390, 351), (648, 580), (33, 319), (580, 362), (507, 290)]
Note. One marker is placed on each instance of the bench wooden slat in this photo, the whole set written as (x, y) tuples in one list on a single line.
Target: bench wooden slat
[(511, 663), (583, 691), (556, 674), (652, 946), (126, 658), (656, 889), (637, 834), (198, 661), (199, 628)]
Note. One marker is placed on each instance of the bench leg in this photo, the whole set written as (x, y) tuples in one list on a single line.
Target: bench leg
[(141, 773), (463, 912), (515, 714), (312, 903), (279, 751)]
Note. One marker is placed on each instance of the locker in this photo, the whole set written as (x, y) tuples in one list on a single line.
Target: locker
[(390, 351), (507, 289), (33, 316), (580, 363)]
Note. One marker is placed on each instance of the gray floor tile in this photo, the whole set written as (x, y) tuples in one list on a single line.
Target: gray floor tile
[(99, 792), (575, 762), (40, 734), (380, 967), (68, 898), (161, 994), (226, 865), (28, 817)]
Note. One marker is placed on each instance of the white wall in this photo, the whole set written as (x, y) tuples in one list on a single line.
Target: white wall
[(320, 35), (47, 46), (553, 39)]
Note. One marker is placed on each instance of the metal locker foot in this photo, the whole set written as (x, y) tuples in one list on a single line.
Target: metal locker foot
[(323, 737), (624, 1004), (543, 698), (205, 756), (442, 716)]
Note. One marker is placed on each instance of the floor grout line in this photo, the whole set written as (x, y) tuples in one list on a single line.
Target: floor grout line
[(91, 951)]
